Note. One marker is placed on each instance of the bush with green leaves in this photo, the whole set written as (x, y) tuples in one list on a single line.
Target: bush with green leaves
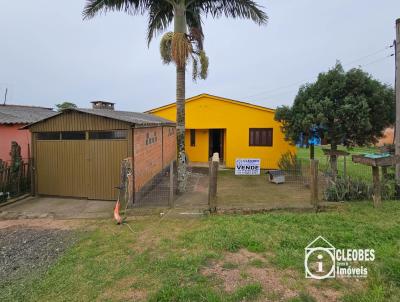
[(347, 189), (290, 163)]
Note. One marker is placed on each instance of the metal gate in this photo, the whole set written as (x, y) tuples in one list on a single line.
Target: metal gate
[(82, 168)]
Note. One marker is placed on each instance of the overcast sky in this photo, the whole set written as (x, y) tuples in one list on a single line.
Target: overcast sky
[(49, 55)]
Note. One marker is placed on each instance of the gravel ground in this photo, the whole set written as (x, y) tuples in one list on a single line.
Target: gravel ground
[(26, 251)]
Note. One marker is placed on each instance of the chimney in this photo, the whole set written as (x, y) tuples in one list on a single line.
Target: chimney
[(102, 105)]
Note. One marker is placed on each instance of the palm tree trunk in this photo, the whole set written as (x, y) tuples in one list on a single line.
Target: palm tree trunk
[(180, 128), (180, 27)]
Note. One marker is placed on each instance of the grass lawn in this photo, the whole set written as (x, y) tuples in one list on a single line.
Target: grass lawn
[(353, 170), (221, 258)]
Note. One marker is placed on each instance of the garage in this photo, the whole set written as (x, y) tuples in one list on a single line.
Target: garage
[(78, 152)]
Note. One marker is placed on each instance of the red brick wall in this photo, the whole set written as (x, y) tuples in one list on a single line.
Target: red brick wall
[(148, 154), (169, 138)]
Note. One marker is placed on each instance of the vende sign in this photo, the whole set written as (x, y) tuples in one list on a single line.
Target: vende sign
[(247, 166)]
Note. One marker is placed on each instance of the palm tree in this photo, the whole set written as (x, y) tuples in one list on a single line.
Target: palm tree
[(184, 44)]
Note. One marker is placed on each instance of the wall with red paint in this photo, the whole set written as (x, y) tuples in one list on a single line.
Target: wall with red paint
[(9, 133)]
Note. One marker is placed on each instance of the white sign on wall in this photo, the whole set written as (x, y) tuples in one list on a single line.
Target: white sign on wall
[(247, 166)]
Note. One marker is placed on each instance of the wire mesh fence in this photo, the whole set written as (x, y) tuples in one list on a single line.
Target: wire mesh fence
[(281, 185), (286, 184), (160, 190), (353, 181), (157, 189)]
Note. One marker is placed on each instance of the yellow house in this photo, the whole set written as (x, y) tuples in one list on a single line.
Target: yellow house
[(233, 129)]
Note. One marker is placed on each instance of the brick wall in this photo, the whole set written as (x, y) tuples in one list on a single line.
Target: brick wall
[(169, 153), (149, 155)]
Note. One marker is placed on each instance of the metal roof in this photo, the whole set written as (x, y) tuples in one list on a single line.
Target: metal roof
[(127, 116), (134, 118), (17, 114)]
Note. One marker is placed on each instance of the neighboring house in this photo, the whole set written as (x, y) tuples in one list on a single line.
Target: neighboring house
[(387, 138), (12, 118), (78, 152), (233, 129)]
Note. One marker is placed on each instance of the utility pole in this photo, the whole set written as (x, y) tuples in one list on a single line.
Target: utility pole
[(397, 89)]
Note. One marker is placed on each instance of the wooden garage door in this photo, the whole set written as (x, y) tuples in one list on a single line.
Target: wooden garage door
[(82, 168)]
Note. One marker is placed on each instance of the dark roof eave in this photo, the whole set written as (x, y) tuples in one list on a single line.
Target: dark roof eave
[(137, 126), (14, 123)]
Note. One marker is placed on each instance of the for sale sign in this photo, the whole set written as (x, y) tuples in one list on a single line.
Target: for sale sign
[(247, 166)]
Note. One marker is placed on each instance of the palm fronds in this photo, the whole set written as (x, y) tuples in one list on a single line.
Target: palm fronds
[(246, 9), (133, 7), (161, 14), (180, 47)]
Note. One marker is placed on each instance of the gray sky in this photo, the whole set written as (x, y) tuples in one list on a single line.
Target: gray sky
[(49, 55)]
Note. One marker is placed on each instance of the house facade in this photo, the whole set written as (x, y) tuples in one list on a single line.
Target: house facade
[(12, 118), (78, 152), (232, 128)]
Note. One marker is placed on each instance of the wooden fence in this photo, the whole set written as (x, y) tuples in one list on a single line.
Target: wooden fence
[(15, 179)]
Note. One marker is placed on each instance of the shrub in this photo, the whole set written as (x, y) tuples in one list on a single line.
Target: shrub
[(290, 163), (347, 189)]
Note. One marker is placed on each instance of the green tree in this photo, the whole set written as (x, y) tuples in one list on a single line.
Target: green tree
[(184, 44), (65, 105), (349, 108)]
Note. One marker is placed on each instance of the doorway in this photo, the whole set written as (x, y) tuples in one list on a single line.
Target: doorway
[(216, 143)]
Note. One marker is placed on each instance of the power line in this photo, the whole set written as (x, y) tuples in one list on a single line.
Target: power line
[(278, 88), (309, 79), (359, 66), (376, 61), (369, 55)]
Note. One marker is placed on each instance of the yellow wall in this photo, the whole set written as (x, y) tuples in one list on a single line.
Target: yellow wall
[(198, 153), (210, 112)]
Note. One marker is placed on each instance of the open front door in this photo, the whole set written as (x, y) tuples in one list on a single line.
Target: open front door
[(216, 143)]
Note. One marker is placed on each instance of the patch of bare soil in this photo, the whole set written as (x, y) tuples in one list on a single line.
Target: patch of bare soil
[(238, 269), (42, 223)]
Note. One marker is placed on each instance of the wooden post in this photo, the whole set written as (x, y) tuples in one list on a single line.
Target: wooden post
[(212, 187), (19, 177), (384, 173), (377, 187), (312, 151), (126, 188), (171, 185), (314, 182)]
